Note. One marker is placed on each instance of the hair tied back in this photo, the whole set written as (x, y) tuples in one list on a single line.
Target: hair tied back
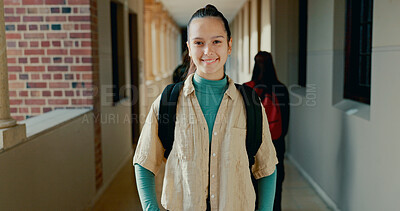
[(210, 7), (210, 11)]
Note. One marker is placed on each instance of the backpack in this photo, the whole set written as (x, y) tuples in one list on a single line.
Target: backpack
[(272, 109), (167, 118)]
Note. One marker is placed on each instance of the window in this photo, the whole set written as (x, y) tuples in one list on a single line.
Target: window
[(303, 4), (357, 85), (118, 52)]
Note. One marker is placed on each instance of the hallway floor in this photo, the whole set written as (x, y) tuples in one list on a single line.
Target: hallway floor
[(122, 195)]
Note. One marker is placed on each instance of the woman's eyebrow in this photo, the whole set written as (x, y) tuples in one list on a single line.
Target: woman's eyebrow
[(219, 36), (214, 37)]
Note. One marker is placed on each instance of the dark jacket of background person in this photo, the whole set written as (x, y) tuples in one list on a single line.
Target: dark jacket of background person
[(264, 75)]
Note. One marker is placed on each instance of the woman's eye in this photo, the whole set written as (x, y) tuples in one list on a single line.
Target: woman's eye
[(217, 42), (198, 43)]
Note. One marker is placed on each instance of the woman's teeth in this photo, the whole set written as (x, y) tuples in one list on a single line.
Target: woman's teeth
[(210, 61)]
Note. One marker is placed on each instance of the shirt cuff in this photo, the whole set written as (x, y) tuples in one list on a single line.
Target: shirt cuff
[(142, 160), (264, 172)]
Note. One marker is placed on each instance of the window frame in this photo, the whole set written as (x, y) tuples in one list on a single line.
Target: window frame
[(358, 51), (119, 84), (303, 18)]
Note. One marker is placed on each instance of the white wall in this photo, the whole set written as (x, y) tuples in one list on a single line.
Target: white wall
[(352, 159), (284, 37), (53, 171)]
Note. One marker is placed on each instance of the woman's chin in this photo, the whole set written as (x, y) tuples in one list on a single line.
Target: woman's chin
[(210, 74)]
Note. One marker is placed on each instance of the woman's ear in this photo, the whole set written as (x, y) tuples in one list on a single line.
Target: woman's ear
[(230, 46)]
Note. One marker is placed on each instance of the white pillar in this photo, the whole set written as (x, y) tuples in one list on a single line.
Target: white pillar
[(11, 133), (170, 44), (176, 50), (265, 25), (148, 43), (253, 11), (170, 62), (5, 118), (155, 27), (162, 45)]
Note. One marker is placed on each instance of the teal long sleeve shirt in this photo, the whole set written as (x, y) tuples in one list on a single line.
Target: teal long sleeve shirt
[(145, 183), (209, 94)]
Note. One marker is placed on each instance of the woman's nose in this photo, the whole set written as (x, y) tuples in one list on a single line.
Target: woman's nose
[(208, 49)]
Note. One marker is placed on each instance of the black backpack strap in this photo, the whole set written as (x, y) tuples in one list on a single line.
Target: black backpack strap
[(167, 116), (254, 127), (253, 120)]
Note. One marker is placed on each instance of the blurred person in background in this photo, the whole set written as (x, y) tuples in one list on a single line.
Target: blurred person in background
[(275, 98)]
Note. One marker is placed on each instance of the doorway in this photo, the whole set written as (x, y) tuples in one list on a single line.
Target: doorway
[(134, 58)]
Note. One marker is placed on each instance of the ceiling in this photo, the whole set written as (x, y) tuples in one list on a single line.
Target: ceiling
[(182, 10)]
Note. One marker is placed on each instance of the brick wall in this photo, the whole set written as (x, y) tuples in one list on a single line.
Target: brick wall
[(49, 55), (96, 98)]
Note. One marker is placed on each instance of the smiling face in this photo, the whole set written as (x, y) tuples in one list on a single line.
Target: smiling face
[(208, 47)]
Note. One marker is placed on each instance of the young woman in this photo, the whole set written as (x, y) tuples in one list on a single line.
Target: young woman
[(266, 84), (208, 167)]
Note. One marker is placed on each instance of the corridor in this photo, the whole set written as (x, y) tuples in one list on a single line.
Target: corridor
[(78, 78), (122, 195)]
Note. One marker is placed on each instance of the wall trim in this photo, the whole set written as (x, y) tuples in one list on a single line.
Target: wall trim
[(394, 48), (323, 52), (328, 52), (321, 193), (45, 123)]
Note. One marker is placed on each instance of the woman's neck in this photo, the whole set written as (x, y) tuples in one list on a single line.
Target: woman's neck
[(205, 85), (219, 75)]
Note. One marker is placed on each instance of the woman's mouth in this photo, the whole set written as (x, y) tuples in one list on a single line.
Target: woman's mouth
[(209, 61)]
